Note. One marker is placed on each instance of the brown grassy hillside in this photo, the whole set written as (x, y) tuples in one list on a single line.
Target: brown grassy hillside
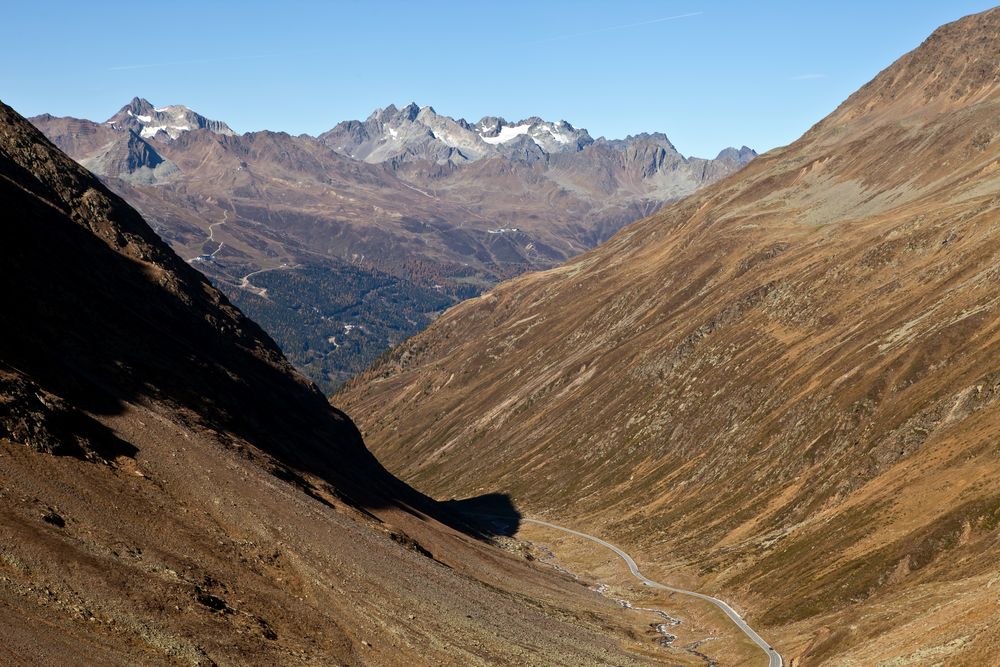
[(783, 388)]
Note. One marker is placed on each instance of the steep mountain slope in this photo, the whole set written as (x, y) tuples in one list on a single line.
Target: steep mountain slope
[(278, 222), (174, 493), (782, 388)]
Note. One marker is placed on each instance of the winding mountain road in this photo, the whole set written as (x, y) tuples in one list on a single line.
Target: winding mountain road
[(774, 658), (211, 239)]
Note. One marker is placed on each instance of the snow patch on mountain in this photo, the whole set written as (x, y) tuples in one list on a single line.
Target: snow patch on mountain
[(173, 131), (507, 133)]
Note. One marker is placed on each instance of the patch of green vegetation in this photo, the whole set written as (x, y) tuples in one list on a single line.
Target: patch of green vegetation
[(332, 321), (862, 577), (798, 559)]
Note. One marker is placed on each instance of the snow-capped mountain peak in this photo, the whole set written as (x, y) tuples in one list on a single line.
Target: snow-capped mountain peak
[(420, 132), (148, 121)]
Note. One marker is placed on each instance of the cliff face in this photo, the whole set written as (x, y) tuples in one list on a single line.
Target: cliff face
[(783, 387), (172, 491)]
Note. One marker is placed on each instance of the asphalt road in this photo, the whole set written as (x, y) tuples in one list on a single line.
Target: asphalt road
[(774, 658)]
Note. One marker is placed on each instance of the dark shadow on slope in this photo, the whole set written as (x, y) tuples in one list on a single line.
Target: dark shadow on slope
[(489, 515), (45, 423), (99, 312)]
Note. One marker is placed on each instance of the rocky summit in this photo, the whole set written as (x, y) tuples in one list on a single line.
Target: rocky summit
[(413, 132), (165, 123)]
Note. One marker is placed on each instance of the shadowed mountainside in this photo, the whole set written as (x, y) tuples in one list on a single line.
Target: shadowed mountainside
[(91, 344), (782, 388)]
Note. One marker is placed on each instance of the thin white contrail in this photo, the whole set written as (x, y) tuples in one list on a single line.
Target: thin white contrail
[(618, 27), (806, 77), (178, 63), (208, 61)]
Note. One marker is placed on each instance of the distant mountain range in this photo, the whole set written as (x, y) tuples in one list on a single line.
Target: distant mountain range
[(345, 244)]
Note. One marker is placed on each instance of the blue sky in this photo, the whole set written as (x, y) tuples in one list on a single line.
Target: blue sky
[(707, 73)]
